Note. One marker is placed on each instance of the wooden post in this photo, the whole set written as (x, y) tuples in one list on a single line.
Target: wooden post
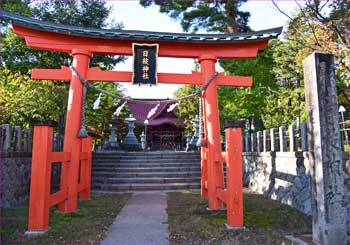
[(86, 169), (72, 144), (213, 139), (40, 180), (204, 170), (282, 133), (234, 197), (272, 139), (330, 210)]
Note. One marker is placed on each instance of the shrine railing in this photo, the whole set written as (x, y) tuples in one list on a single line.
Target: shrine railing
[(41, 198)]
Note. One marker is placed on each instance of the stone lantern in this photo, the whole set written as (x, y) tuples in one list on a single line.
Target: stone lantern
[(112, 142), (130, 142)]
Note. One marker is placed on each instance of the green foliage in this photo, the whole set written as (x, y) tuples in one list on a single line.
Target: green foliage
[(16, 6), (87, 13), (212, 16), (23, 99), (236, 103), (187, 109)]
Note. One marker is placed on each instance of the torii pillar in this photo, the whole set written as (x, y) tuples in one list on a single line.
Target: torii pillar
[(213, 166), (70, 173)]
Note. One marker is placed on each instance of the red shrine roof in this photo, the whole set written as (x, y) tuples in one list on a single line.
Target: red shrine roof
[(140, 109), (133, 35)]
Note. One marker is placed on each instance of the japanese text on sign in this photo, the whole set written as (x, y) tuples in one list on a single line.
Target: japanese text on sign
[(145, 64)]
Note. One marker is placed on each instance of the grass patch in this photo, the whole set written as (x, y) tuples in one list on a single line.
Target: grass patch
[(266, 221), (88, 225)]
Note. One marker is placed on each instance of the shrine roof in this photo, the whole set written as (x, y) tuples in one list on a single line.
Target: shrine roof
[(141, 107), (117, 34)]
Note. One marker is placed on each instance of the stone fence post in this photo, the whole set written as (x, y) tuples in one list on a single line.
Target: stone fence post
[(265, 134), (246, 142), (27, 143), (282, 134), (18, 138), (258, 141), (252, 142), (6, 135), (292, 141), (303, 132), (330, 210), (272, 139)]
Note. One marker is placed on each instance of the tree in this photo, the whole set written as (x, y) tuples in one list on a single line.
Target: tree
[(19, 60), (315, 29), (249, 103), (187, 109), (23, 99), (86, 13), (329, 31), (212, 16)]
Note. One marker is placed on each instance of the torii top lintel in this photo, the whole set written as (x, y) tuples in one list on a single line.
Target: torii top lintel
[(63, 38)]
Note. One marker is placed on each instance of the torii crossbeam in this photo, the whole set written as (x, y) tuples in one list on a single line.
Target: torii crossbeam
[(82, 43)]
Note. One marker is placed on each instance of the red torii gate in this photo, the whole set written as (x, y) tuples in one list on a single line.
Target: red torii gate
[(82, 43)]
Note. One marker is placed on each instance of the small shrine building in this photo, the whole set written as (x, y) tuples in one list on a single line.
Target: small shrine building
[(163, 130)]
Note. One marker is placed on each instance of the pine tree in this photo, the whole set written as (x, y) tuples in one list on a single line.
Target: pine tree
[(211, 16)]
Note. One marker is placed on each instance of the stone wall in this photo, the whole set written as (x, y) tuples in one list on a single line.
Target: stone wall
[(14, 178), (283, 176), (15, 169)]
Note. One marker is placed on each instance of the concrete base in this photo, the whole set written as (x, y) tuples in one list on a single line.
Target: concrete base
[(296, 240), (221, 209), (35, 233), (232, 228)]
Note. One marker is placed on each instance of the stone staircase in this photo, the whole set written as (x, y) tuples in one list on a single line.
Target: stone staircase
[(145, 171)]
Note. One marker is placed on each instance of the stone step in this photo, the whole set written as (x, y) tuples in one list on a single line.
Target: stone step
[(97, 180), (146, 153), (145, 187), (144, 159), (132, 165), (151, 156), (174, 159), (146, 175), (147, 169)]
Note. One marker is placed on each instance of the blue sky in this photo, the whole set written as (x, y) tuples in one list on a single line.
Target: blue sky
[(134, 17)]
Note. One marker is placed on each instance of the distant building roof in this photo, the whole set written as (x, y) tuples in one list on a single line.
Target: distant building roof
[(141, 107), (118, 34)]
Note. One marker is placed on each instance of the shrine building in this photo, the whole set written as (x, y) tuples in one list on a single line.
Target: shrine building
[(163, 130)]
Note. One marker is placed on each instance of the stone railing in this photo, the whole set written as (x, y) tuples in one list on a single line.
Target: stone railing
[(282, 139), (278, 167), (15, 139)]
